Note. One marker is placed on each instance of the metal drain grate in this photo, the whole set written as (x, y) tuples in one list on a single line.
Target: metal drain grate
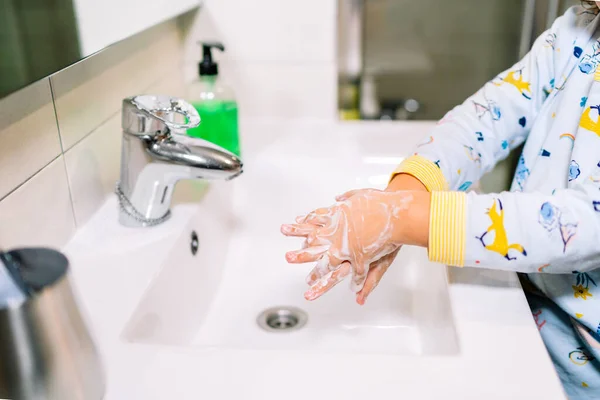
[(282, 319)]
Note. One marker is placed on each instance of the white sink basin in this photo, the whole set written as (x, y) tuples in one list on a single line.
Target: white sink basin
[(212, 299)]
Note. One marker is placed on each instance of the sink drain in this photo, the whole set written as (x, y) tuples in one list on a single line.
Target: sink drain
[(282, 319)]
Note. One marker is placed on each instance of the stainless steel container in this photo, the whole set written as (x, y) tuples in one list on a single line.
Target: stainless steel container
[(46, 351)]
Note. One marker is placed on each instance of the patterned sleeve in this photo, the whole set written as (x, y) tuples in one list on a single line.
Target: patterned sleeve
[(474, 136), (524, 232)]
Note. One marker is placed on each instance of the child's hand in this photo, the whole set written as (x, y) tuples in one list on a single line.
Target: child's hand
[(325, 276), (321, 279), (362, 228)]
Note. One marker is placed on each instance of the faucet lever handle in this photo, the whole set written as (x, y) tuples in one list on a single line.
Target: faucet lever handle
[(149, 115)]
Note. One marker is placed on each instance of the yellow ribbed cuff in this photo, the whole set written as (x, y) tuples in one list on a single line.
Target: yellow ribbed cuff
[(447, 228), (424, 170)]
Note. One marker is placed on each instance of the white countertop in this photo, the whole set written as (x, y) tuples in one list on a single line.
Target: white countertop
[(501, 355)]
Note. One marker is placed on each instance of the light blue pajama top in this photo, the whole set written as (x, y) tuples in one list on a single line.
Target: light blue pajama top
[(548, 226)]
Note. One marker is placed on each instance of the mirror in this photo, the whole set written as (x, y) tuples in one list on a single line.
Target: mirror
[(405, 59), (41, 37)]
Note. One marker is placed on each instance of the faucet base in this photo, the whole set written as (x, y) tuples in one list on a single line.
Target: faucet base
[(131, 217), (130, 222)]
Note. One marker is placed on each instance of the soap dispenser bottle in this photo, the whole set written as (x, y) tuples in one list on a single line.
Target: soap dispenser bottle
[(215, 102)]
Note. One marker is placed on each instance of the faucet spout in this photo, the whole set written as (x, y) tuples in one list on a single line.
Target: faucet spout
[(155, 157), (207, 160)]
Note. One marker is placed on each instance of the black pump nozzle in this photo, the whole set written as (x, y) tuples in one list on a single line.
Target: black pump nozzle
[(207, 66)]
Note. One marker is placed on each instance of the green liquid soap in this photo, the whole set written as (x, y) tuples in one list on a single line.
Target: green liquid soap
[(218, 124)]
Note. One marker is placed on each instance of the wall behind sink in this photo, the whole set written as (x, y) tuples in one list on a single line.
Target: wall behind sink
[(280, 55), (60, 153)]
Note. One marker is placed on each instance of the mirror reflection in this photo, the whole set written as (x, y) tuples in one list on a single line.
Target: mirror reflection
[(41, 37), (37, 38)]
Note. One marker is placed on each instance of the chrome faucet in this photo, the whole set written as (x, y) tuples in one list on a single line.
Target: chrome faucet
[(156, 153)]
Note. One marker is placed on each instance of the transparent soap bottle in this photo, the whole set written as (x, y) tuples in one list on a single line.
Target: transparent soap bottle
[(216, 104)]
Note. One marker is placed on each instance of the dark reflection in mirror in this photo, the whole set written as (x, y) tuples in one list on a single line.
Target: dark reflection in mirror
[(37, 38)]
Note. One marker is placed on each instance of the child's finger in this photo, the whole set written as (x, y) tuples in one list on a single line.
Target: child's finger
[(318, 238), (308, 254), (373, 278), (322, 268), (325, 265), (320, 216), (359, 274), (327, 282), (300, 219), (358, 280), (376, 272), (297, 229), (317, 220)]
